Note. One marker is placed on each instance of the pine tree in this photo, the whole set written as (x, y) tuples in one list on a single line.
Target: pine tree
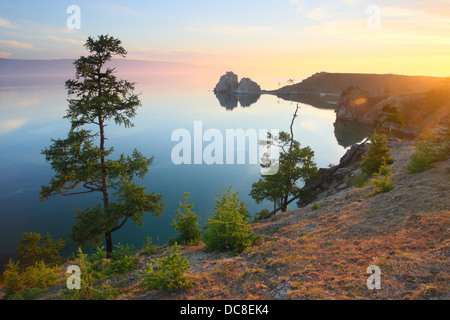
[(377, 155), (97, 97), (295, 164), (229, 228), (187, 225)]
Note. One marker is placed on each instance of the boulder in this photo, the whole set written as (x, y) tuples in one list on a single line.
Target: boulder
[(228, 83), (247, 86)]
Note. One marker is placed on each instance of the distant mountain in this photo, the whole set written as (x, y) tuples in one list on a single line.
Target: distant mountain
[(55, 72), (375, 84), (65, 67)]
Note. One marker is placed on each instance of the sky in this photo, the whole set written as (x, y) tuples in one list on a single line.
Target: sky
[(266, 38)]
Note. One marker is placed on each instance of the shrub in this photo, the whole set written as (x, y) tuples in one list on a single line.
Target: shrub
[(19, 280), (419, 162), (34, 248), (229, 228), (167, 272), (382, 180), (377, 155), (315, 206), (260, 215), (149, 248), (187, 225), (94, 270), (123, 259), (430, 147), (360, 180), (390, 118)]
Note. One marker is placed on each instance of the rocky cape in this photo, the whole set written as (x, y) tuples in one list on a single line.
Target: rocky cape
[(357, 99), (420, 110), (229, 83)]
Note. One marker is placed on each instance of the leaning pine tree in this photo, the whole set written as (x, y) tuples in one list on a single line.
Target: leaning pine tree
[(295, 165), (97, 97)]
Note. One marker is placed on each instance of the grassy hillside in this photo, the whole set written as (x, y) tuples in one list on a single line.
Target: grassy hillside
[(322, 251)]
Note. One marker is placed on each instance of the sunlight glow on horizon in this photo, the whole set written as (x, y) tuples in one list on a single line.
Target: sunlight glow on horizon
[(288, 39)]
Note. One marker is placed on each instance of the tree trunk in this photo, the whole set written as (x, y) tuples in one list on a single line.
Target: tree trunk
[(284, 204), (108, 238), (109, 246)]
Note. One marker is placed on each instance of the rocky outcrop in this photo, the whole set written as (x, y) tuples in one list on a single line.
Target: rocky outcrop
[(229, 83), (229, 91), (247, 86), (353, 104), (332, 179), (420, 111)]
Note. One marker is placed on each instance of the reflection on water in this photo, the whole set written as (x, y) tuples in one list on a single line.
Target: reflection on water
[(230, 100), (348, 133), (327, 101), (32, 115)]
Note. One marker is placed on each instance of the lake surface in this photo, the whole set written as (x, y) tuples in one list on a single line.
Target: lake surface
[(32, 114)]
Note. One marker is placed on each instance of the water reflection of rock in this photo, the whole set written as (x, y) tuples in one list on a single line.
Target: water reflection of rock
[(321, 101), (349, 132), (230, 100)]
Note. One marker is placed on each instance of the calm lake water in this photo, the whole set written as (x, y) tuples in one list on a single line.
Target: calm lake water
[(31, 115)]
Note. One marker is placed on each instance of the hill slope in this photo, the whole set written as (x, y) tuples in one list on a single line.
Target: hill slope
[(324, 253), (375, 84)]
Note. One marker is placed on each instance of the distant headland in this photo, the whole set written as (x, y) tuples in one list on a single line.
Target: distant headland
[(422, 100)]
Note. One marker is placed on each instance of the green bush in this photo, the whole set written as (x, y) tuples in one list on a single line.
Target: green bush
[(430, 147), (377, 154), (382, 180), (229, 228), (149, 248), (260, 215), (360, 180), (20, 280), (123, 260), (187, 225), (315, 206), (94, 270), (34, 248), (167, 272)]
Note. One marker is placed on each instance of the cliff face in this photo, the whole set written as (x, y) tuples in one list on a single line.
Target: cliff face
[(353, 104), (227, 83), (420, 110)]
